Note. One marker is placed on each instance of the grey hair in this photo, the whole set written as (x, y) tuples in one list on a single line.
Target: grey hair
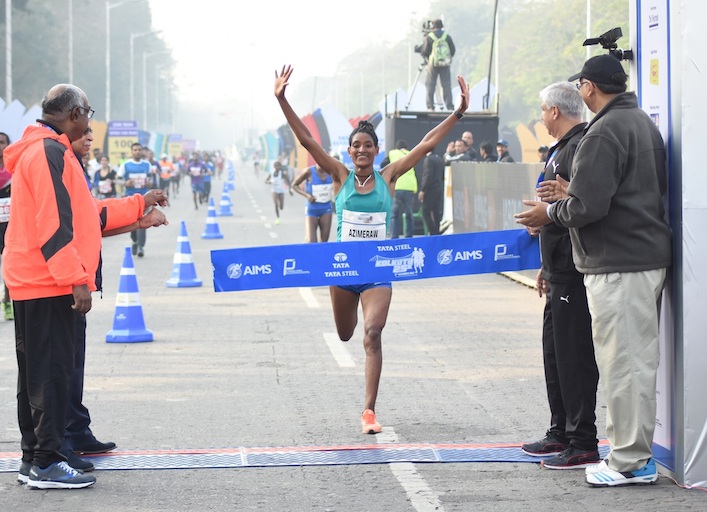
[(61, 99), (564, 96)]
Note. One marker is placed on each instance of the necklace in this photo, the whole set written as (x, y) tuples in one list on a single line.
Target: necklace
[(361, 185)]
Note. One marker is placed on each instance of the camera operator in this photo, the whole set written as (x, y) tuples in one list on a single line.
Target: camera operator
[(437, 49)]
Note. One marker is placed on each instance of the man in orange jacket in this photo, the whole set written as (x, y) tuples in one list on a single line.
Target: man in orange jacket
[(51, 256)]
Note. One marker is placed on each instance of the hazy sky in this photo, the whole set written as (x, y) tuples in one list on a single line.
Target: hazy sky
[(228, 49)]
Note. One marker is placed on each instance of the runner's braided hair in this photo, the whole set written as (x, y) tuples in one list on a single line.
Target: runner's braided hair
[(364, 127)]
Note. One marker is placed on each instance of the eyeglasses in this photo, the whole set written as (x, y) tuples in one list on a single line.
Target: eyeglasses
[(89, 111), (580, 84)]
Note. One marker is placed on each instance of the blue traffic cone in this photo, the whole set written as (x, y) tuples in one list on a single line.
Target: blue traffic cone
[(212, 230), (231, 177), (128, 323), (225, 204), (183, 270)]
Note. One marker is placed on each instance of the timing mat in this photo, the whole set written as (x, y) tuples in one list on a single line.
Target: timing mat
[(243, 457)]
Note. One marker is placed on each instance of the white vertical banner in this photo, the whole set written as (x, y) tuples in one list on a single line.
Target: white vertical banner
[(653, 84)]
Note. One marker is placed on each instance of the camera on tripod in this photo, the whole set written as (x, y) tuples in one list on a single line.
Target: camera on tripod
[(427, 27), (608, 41)]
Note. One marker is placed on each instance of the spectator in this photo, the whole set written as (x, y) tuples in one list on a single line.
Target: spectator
[(405, 192), (502, 151), (468, 139), (450, 153), (621, 242), (542, 154), (50, 275), (486, 152), (571, 374), (5, 190), (431, 192)]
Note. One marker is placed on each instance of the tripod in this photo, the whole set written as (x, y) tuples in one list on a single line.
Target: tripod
[(422, 66)]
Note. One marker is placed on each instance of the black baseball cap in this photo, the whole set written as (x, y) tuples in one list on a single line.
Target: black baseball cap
[(601, 69)]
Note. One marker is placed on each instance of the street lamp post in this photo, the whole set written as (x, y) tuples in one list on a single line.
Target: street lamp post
[(132, 71), (145, 56), (8, 51), (110, 6)]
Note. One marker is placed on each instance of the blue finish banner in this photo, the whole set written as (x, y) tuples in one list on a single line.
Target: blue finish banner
[(359, 262)]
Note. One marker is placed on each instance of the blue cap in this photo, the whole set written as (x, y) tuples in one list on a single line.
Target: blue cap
[(502, 142)]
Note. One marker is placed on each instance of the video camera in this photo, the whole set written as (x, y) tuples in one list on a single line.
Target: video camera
[(427, 27), (608, 41)]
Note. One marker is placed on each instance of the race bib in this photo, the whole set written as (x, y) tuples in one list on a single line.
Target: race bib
[(362, 225), (195, 171), (139, 180), (104, 187), (5, 209), (322, 193)]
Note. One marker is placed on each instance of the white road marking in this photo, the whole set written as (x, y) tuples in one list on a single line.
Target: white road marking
[(422, 498), (309, 297), (339, 350)]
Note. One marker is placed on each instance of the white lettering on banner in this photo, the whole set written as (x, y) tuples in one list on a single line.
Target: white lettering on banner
[(236, 270), (289, 268), (501, 253), (468, 255), (254, 270), (410, 264)]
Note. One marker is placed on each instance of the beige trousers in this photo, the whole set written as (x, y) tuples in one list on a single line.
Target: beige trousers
[(624, 309)]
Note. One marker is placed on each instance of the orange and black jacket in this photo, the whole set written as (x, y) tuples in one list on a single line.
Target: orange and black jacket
[(53, 239)]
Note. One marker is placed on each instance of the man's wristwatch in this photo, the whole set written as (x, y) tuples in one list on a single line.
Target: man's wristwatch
[(547, 211), (458, 114)]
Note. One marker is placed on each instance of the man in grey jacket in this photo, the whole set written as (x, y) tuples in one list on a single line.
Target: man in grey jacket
[(621, 242)]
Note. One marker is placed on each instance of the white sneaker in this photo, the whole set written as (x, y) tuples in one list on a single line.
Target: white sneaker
[(601, 475)]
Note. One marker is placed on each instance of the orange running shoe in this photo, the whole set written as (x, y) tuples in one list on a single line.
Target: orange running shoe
[(369, 424)]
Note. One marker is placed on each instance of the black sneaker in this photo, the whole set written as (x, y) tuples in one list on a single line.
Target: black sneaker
[(94, 448), (58, 476), (23, 474), (140, 252), (549, 445), (77, 462), (573, 458)]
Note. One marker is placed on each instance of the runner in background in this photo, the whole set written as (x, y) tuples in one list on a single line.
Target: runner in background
[(318, 187)]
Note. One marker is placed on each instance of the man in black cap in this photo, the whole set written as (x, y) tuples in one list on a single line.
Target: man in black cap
[(621, 242), (502, 151), (542, 154)]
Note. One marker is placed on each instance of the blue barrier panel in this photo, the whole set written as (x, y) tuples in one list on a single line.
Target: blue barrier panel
[(346, 263)]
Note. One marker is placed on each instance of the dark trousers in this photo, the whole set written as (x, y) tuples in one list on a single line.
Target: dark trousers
[(432, 210), (571, 373), (403, 203), (139, 237), (78, 432), (445, 81), (44, 345)]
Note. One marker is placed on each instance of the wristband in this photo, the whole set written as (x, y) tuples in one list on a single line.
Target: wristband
[(459, 115), (547, 210)]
